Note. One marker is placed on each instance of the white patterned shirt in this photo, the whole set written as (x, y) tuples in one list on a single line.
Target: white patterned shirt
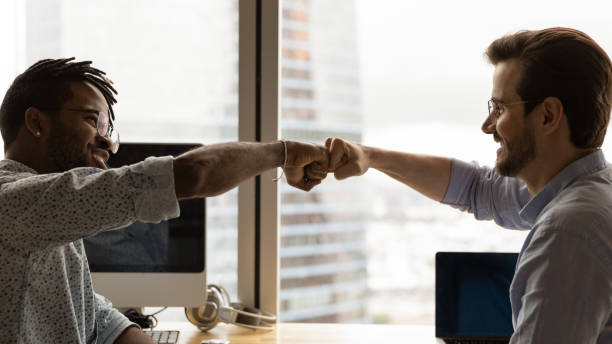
[(46, 293)]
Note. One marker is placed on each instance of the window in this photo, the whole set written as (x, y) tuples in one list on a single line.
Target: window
[(397, 74), (401, 75)]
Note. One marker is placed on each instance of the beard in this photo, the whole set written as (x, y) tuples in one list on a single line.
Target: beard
[(514, 156), (64, 149)]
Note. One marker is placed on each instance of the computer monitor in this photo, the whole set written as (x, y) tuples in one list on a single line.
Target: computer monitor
[(148, 264)]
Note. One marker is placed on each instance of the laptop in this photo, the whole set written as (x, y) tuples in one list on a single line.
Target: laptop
[(472, 297)]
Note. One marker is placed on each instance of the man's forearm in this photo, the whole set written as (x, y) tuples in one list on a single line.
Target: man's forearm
[(426, 174), (215, 169)]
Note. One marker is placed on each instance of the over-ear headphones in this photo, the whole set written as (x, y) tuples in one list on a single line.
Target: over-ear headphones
[(218, 308)]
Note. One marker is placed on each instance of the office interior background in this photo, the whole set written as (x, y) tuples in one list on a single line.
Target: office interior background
[(403, 75)]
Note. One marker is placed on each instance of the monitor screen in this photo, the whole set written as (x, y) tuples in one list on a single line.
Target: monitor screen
[(472, 294), (176, 245)]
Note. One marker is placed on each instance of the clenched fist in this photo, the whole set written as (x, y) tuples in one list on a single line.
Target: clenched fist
[(300, 168)]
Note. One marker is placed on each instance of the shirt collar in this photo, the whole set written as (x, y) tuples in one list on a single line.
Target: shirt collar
[(15, 166), (586, 165)]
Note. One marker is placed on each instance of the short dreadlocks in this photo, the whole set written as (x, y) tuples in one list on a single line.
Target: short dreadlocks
[(46, 85)]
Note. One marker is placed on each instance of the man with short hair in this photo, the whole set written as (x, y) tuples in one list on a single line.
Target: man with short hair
[(549, 111), (55, 188)]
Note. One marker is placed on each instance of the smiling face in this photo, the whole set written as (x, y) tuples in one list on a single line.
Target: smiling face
[(73, 140), (511, 128)]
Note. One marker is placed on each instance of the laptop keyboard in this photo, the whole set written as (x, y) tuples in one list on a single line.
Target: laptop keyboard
[(164, 337)]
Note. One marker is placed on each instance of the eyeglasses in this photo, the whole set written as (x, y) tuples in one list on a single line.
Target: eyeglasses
[(104, 126), (496, 107)]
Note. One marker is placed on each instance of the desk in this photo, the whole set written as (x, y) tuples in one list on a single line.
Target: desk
[(296, 333)]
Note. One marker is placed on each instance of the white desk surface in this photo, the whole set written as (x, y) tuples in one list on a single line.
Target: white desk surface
[(302, 333)]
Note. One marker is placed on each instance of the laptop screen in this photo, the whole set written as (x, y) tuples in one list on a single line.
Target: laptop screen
[(472, 294)]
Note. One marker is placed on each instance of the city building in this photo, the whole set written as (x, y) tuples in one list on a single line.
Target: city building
[(323, 248)]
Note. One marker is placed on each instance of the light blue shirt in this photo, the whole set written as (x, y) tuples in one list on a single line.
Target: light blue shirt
[(562, 287), (46, 293)]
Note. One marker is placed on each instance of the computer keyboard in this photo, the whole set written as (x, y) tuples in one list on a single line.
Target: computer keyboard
[(164, 337)]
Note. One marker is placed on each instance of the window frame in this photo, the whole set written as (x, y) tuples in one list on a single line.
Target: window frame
[(259, 121)]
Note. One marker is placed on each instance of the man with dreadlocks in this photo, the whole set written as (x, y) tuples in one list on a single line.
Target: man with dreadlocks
[(56, 121)]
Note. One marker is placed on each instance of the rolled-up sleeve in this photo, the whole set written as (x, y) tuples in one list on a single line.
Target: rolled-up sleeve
[(39, 211), (158, 202), (484, 193)]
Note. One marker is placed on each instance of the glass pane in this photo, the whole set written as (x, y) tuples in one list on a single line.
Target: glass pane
[(402, 75), (175, 65)]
